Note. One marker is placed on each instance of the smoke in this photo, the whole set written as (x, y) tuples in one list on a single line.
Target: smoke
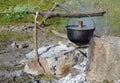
[(102, 25)]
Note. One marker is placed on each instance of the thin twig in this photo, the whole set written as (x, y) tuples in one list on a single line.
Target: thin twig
[(35, 40), (47, 15), (35, 34)]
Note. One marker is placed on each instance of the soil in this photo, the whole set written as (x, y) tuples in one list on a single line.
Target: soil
[(11, 56)]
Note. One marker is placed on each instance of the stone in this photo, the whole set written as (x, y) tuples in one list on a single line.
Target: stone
[(57, 60), (36, 81), (78, 75), (22, 45), (104, 59), (14, 44), (19, 45), (34, 68)]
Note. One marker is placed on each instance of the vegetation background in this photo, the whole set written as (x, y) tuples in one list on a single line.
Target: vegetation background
[(19, 8)]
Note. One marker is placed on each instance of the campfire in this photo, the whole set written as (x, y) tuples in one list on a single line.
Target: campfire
[(62, 60), (59, 60)]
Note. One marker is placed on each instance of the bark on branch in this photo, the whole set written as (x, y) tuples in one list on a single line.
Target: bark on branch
[(64, 14), (51, 14), (35, 41), (70, 15)]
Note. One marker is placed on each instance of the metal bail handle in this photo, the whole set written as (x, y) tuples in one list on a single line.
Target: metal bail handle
[(75, 25)]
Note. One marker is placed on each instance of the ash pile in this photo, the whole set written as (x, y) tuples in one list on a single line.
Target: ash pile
[(66, 63)]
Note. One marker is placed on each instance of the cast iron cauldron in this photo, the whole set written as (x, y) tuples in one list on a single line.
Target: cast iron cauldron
[(79, 36)]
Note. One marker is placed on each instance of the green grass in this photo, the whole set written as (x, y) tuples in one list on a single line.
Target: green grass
[(58, 24), (16, 7), (6, 36)]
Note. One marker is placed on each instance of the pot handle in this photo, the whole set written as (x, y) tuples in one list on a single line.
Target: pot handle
[(86, 15), (91, 20)]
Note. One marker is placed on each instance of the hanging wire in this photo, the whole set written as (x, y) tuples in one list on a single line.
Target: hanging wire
[(106, 27)]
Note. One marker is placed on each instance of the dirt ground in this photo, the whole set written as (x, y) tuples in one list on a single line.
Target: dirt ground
[(11, 56)]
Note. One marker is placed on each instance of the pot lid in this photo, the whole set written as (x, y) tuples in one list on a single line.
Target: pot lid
[(87, 23)]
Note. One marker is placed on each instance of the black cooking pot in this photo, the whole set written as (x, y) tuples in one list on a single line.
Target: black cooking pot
[(80, 36)]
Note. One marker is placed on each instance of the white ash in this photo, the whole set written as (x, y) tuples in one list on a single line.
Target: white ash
[(56, 50), (29, 71), (77, 77), (52, 50), (116, 81)]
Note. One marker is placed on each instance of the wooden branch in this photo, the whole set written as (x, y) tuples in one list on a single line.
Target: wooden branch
[(35, 41), (75, 14), (57, 4), (35, 35), (46, 16), (51, 14), (70, 15)]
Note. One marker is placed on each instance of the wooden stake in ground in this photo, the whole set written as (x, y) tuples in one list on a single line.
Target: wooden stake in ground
[(35, 36), (35, 40)]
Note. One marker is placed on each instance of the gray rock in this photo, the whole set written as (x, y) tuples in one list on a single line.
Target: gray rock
[(23, 45), (14, 44), (116, 81), (19, 45), (36, 81), (77, 76), (104, 59), (56, 59)]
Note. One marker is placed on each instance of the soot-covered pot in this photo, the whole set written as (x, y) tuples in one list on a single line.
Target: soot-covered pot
[(80, 34)]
